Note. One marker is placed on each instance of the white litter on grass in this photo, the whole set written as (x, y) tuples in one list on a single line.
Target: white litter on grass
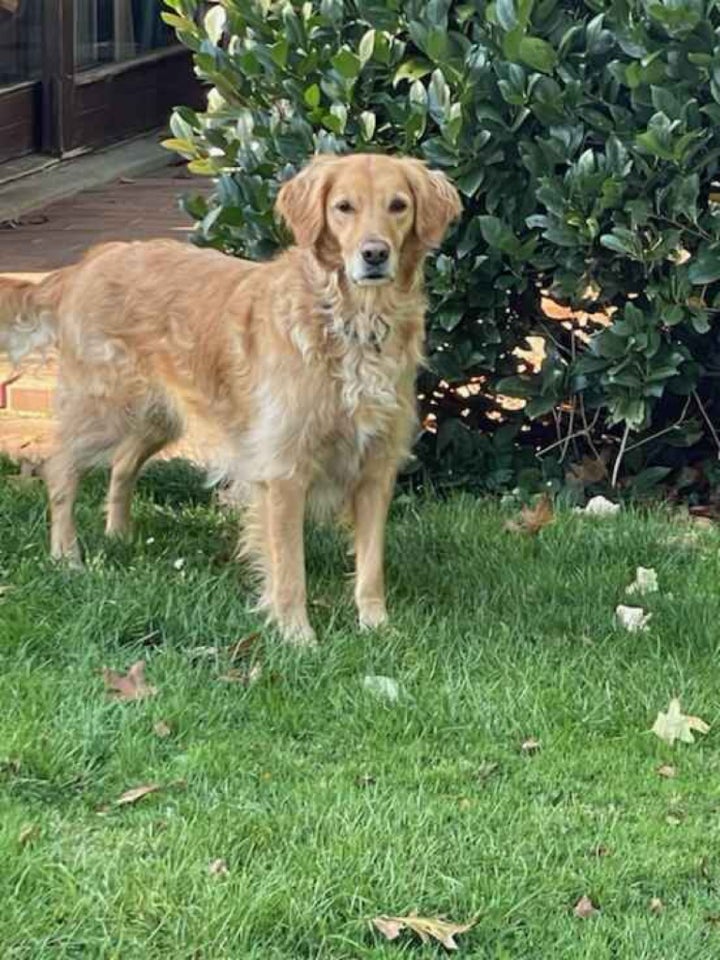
[(632, 619), (646, 581), (676, 725), (179, 563), (599, 507), (385, 688)]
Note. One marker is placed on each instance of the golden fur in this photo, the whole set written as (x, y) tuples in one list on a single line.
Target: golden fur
[(300, 371)]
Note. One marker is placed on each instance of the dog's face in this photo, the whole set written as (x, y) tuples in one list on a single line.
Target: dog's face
[(367, 212)]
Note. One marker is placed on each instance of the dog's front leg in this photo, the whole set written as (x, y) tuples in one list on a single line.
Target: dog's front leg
[(284, 516), (370, 508)]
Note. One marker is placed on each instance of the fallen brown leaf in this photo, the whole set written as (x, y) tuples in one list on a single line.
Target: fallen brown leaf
[(10, 766), (588, 471), (533, 519), (244, 676), (426, 928), (388, 927), (242, 648), (365, 780), (601, 851), (137, 793), (530, 746), (676, 725), (486, 770), (656, 905), (161, 729), (131, 686), (667, 771), (28, 833), (218, 868), (585, 908)]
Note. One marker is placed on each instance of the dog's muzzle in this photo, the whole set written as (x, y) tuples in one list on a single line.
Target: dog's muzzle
[(373, 262)]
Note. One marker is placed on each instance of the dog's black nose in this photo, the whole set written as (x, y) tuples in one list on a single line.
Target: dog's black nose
[(375, 252)]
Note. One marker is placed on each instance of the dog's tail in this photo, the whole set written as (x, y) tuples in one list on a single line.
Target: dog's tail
[(29, 314)]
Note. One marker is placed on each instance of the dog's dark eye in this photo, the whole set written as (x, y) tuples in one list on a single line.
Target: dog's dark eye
[(398, 205), (344, 206)]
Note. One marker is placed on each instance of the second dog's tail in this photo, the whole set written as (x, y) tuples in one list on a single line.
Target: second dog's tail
[(29, 314)]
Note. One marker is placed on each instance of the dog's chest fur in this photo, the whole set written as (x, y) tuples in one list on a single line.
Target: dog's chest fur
[(342, 394), (370, 362)]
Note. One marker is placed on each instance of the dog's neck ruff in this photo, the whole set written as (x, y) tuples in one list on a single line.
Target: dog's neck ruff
[(356, 329), (360, 316)]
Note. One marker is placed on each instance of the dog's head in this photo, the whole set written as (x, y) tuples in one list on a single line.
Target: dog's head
[(369, 213)]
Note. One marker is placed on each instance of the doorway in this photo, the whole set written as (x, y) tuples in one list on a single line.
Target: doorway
[(76, 74)]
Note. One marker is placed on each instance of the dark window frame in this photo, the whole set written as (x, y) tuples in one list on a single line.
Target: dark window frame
[(69, 111)]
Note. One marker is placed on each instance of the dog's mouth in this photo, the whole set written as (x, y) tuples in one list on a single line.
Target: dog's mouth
[(374, 279)]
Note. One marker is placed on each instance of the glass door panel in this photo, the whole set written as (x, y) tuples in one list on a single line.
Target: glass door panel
[(112, 31), (20, 40)]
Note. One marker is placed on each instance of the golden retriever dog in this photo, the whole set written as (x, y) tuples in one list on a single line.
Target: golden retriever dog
[(300, 371)]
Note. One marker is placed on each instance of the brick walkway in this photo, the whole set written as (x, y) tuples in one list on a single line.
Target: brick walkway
[(125, 210)]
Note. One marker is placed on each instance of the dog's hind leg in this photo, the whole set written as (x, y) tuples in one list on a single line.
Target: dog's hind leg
[(149, 435), (85, 439), (127, 463)]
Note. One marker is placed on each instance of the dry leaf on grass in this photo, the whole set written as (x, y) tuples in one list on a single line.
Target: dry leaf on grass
[(218, 868), (245, 676), (131, 686), (161, 729), (365, 780), (676, 725), (530, 746), (656, 905), (599, 507), (241, 648), (533, 519), (137, 793), (426, 928), (486, 770), (646, 581), (585, 908), (28, 833), (234, 651), (667, 771), (632, 619)]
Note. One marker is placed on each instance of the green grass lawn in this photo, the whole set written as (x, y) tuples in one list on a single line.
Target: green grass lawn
[(329, 805)]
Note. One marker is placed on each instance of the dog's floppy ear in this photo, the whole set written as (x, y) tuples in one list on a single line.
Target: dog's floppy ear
[(437, 202), (301, 201)]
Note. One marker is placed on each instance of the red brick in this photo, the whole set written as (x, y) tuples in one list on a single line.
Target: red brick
[(29, 399)]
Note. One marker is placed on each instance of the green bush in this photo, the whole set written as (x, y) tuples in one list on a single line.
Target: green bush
[(584, 138)]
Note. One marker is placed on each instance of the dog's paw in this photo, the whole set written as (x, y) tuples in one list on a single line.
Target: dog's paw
[(72, 560), (294, 628), (372, 615), (299, 635)]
